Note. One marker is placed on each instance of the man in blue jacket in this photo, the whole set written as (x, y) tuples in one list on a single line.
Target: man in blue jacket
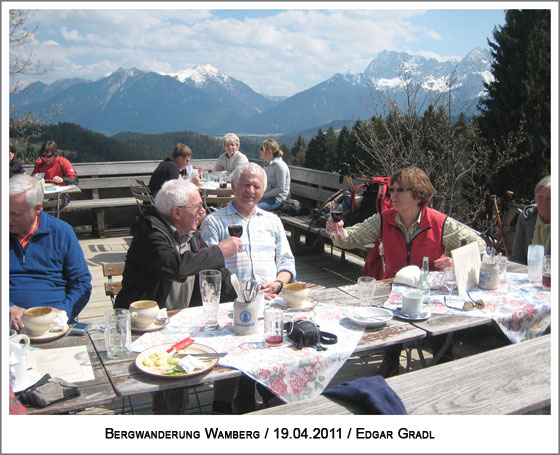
[(47, 264)]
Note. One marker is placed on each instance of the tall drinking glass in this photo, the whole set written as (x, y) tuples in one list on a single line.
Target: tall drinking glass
[(366, 289), (546, 271), (117, 333), (210, 288), (535, 257)]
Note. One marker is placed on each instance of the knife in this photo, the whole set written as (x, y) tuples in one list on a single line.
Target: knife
[(210, 355)]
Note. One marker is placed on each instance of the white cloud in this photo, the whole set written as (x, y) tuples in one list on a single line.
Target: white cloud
[(279, 54)]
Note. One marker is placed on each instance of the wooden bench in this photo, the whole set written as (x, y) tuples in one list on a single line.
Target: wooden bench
[(312, 188), (105, 187), (514, 379)]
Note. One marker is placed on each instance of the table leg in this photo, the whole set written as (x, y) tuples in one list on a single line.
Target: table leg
[(442, 350)]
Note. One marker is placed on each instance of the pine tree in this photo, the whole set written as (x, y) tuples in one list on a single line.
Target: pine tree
[(332, 161), (298, 151), (517, 109), (315, 156)]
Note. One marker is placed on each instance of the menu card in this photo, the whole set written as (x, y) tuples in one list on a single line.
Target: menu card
[(466, 260), (72, 364)]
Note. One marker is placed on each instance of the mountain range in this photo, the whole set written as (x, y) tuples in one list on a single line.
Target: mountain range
[(205, 100)]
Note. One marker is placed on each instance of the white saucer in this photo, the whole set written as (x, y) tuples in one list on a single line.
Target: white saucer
[(306, 305), (408, 317), (370, 316), (32, 378), (156, 325), (48, 335)]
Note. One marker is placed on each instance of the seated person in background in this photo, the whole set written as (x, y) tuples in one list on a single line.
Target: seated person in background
[(266, 257), (15, 164), (409, 231), (278, 176), (57, 169), (47, 264), (232, 158), (172, 168), (164, 260), (533, 224)]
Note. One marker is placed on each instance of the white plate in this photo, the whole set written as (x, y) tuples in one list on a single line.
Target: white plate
[(306, 305), (152, 327), (195, 348), (370, 316), (408, 317), (47, 336)]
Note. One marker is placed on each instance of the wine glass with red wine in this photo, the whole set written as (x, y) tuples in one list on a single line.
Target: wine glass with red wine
[(337, 212), (235, 230)]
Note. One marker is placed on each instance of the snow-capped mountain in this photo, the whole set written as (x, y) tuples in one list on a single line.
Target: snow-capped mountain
[(206, 100)]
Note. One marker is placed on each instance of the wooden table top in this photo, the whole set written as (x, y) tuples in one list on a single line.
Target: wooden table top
[(128, 380), (94, 392)]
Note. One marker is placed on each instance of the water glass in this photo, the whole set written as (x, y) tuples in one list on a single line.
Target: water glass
[(210, 288), (273, 327), (117, 333), (502, 263), (535, 258), (366, 289), (546, 271)]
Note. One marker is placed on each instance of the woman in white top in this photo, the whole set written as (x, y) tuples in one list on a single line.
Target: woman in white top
[(277, 174), (232, 158)]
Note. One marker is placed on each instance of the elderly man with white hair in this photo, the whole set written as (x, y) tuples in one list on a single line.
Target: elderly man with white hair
[(164, 260), (167, 252), (232, 158), (47, 264)]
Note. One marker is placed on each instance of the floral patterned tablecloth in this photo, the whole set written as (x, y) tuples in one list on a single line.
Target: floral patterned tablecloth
[(291, 374), (521, 308)]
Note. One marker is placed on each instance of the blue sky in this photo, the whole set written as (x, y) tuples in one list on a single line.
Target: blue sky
[(275, 51)]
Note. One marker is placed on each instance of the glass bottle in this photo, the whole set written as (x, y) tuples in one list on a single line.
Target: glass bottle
[(424, 282)]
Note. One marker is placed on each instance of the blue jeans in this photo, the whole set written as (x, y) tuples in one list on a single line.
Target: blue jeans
[(269, 204)]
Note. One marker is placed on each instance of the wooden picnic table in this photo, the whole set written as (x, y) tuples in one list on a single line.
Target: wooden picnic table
[(93, 392), (128, 380), (437, 324)]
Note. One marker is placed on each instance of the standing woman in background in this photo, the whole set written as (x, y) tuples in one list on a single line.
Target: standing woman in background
[(277, 174)]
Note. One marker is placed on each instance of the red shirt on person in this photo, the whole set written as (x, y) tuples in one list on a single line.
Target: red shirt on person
[(60, 167)]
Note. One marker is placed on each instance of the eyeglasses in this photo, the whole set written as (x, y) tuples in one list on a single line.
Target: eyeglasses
[(48, 155), (398, 190), (198, 207)]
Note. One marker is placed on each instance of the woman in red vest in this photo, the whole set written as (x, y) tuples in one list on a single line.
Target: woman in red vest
[(409, 231)]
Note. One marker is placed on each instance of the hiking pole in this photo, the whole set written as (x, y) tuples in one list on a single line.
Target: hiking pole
[(499, 218)]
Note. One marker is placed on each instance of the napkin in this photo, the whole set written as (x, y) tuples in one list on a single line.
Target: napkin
[(373, 392), (408, 275), (190, 363), (60, 322)]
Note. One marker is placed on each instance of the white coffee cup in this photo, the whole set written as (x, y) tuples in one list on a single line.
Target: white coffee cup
[(412, 303), (38, 319), (143, 313)]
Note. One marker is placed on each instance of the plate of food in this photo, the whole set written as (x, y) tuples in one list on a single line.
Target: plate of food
[(370, 316), (156, 361)]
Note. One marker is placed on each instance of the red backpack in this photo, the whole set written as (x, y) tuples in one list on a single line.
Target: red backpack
[(376, 198)]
